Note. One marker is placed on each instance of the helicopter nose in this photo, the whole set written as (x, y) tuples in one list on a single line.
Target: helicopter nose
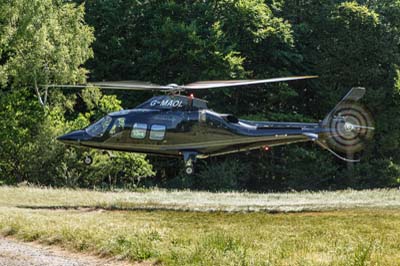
[(74, 137)]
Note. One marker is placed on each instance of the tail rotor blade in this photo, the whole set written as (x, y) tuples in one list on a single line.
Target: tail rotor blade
[(349, 127)]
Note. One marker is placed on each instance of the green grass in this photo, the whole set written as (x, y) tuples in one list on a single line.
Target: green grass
[(342, 234)]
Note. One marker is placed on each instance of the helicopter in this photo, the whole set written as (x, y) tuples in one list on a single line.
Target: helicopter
[(183, 126)]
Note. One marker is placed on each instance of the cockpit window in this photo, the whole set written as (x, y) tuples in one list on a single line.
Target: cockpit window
[(99, 128), (118, 126)]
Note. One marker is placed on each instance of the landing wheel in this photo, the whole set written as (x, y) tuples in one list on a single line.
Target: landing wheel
[(190, 159), (189, 170), (88, 160)]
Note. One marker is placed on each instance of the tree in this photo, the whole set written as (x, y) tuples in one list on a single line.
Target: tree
[(21, 116), (185, 41), (43, 42), (346, 43), (352, 43)]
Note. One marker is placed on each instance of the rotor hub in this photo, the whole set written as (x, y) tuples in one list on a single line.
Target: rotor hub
[(349, 128)]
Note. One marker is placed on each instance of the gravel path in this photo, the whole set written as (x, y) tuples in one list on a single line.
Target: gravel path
[(14, 253)]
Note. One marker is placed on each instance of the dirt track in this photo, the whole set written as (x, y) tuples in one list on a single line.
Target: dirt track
[(13, 253)]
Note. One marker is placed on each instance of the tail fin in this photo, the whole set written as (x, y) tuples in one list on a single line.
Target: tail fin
[(348, 126), (354, 95)]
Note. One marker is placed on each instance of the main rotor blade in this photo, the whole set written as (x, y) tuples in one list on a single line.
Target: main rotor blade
[(139, 85), (232, 83), (119, 85)]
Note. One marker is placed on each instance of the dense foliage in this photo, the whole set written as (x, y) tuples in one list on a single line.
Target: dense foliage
[(346, 43)]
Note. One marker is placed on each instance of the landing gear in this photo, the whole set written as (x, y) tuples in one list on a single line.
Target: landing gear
[(109, 153), (190, 159), (88, 160), (189, 170)]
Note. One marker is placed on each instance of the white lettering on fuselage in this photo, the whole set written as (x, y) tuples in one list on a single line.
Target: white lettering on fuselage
[(167, 103)]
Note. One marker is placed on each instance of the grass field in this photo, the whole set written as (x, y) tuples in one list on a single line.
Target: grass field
[(198, 228)]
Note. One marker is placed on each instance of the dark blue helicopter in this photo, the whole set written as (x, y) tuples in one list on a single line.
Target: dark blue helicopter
[(177, 125)]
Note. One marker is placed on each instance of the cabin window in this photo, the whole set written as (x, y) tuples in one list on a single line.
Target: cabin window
[(139, 131), (157, 132), (118, 126)]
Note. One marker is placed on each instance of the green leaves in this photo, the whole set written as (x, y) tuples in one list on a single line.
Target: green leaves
[(43, 42), (347, 43), (20, 121), (168, 41)]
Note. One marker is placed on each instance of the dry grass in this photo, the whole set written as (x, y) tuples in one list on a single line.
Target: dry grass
[(200, 201), (351, 236)]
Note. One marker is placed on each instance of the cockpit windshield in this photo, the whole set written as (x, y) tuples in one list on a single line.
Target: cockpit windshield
[(99, 128)]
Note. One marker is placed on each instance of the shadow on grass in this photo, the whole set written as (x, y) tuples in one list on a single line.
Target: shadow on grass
[(174, 208)]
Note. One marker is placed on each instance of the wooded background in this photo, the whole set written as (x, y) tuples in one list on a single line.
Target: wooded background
[(346, 43)]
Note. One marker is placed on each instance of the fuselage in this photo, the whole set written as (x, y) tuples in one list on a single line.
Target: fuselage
[(173, 125), (184, 126)]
